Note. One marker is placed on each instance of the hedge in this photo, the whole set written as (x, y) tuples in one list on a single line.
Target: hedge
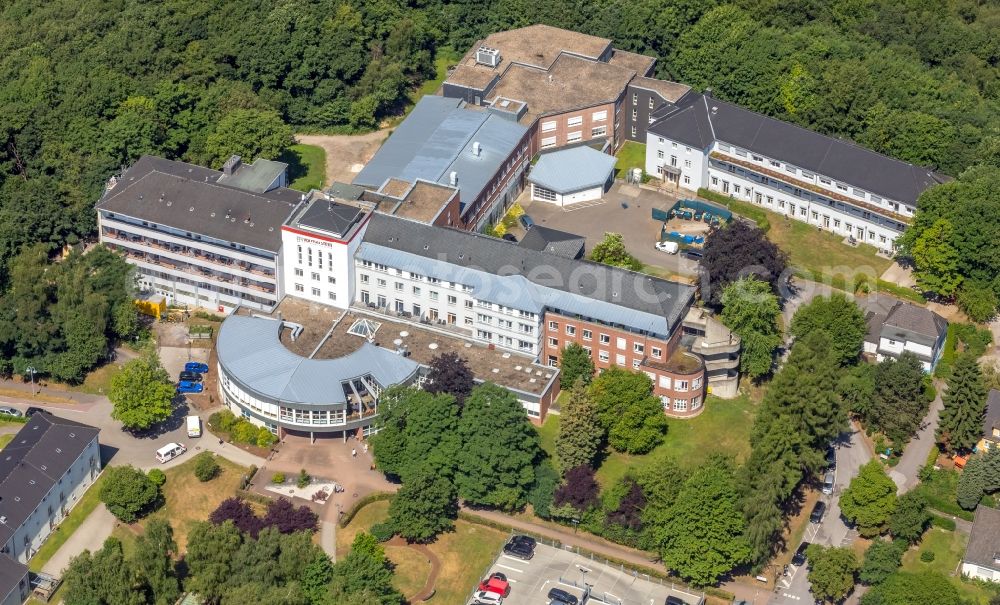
[(13, 419), (755, 214), (943, 522), (361, 503)]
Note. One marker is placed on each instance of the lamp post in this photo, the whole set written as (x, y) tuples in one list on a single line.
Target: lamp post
[(31, 371)]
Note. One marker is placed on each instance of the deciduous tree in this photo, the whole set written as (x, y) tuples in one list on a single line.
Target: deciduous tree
[(575, 364), (141, 393), (901, 401), (739, 251), (424, 507), (239, 512), (882, 559), (910, 518), (842, 321), (450, 373), (751, 310), (611, 251), (250, 134), (579, 489), (128, 493), (628, 410), (903, 588), (831, 571), (153, 559), (580, 434), (870, 499)]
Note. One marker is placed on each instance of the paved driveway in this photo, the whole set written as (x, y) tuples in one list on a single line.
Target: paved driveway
[(635, 223)]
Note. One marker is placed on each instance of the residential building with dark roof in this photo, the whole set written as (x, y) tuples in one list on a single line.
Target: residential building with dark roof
[(14, 585), (43, 473), (991, 423), (895, 326), (982, 555), (836, 185), (198, 236)]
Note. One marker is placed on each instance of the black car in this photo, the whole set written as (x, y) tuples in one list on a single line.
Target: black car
[(191, 376), (526, 540), (510, 237), (693, 254), (817, 513), (518, 550), (831, 457), (32, 411), (800, 554), (560, 595), (672, 600)]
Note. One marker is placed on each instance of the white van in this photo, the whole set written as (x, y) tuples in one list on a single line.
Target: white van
[(170, 451), (194, 426), (668, 247)]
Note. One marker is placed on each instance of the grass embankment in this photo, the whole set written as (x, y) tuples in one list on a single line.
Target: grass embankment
[(724, 427), (5, 439), (306, 166), (464, 555), (88, 502)]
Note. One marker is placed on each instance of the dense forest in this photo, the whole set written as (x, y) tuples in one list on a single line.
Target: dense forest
[(86, 86)]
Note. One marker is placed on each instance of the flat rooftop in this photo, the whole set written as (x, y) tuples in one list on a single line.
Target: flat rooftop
[(324, 214), (512, 369), (424, 201), (570, 83), (640, 64), (670, 91)]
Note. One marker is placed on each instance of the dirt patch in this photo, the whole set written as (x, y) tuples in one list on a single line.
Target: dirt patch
[(345, 154)]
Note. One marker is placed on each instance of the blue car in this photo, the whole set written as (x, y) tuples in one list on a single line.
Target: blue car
[(194, 366), (186, 386)]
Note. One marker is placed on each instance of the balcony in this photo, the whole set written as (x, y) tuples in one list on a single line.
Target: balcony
[(193, 273), (184, 252)]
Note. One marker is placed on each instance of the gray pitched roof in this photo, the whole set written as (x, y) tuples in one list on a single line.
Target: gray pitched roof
[(573, 169), (256, 177), (328, 215), (698, 120), (992, 418), (984, 540), (899, 320), (437, 139), (34, 462), (250, 350), (517, 277), (12, 573), (561, 243), (189, 197)]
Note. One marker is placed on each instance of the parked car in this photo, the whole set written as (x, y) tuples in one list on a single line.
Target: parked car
[(194, 366), (518, 550), (672, 600), (828, 483), (526, 221), (32, 411), (191, 376), (510, 237), (817, 513), (497, 582), (799, 558), (693, 254), (186, 386), (170, 451), (483, 597), (831, 457), (561, 596), (8, 411), (668, 247), (526, 540)]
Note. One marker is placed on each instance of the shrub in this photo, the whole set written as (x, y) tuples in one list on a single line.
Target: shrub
[(927, 556), (128, 493), (304, 479), (943, 522), (157, 476), (288, 519), (265, 438), (205, 466), (224, 420), (244, 431), (383, 532), (320, 496), (278, 478)]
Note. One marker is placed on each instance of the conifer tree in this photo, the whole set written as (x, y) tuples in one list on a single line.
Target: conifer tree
[(961, 422)]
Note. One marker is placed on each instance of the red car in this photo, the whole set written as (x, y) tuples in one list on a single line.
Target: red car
[(497, 583)]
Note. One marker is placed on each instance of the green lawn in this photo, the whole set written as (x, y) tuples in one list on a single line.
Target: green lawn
[(306, 166), (823, 252), (547, 434), (5, 439), (631, 155), (98, 382), (948, 548), (86, 505), (724, 427)]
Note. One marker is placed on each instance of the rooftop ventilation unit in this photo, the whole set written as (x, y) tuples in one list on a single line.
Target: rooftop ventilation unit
[(453, 178), (476, 148), (488, 56)]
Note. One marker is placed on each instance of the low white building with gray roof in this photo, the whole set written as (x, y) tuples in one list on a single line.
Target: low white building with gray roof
[(570, 176), (895, 326)]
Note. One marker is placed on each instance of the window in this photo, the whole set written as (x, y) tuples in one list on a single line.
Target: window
[(790, 168), (416, 290), (635, 98), (808, 175), (364, 278), (633, 130), (605, 339), (315, 291), (548, 142), (681, 385), (815, 215), (776, 164), (300, 288), (331, 280), (574, 121), (639, 348), (687, 179), (636, 363), (298, 273), (715, 181), (635, 114), (620, 359), (331, 295), (380, 282), (736, 188), (665, 382), (680, 405), (399, 286), (571, 330), (602, 356), (553, 325), (620, 343), (756, 158), (659, 154), (599, 131), (452, 300), (554, 342), (695, 403), (433, 294), (468, 304), (548, 126), (841, 187), (687, 163), (599, 116), (587, 335), (655, 352), (573, 137)]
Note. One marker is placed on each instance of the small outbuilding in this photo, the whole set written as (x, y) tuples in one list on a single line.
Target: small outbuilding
[(982, 555), (571, 176)]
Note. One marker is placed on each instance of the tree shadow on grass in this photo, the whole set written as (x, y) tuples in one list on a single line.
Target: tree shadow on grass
[(296, 167)]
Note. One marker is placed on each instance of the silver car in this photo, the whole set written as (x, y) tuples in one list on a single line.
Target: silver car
[(9, 411), (828, 484)]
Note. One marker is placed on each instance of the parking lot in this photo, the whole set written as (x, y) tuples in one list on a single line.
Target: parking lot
[(592, 219), (553, 567)]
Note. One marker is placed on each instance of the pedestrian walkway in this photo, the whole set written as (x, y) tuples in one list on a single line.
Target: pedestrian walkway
[(328, 538), (90, 535), (906, 474)]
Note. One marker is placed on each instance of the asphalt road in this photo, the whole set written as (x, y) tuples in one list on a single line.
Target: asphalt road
[(831, 531)]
